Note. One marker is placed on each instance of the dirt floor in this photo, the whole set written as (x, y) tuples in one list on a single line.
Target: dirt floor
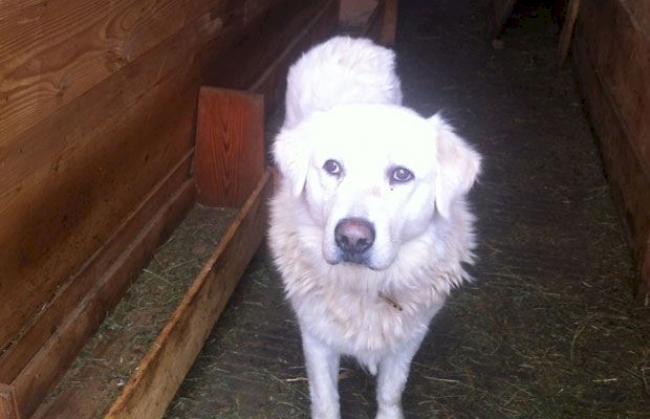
[(549, 329)]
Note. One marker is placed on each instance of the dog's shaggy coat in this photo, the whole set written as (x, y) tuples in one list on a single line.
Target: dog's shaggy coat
[(349, 151)]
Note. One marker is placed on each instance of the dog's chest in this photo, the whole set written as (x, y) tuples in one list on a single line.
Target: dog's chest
[(361, 323)]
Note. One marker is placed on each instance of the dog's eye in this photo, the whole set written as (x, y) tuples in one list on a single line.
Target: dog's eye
[(400, 175), (332, 167)]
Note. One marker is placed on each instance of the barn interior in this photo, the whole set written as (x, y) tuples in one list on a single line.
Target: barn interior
[(134, 277)]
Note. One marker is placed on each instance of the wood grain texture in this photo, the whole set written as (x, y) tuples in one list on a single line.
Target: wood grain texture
[(619, 48), (229, 156), (8, 405), (50, 362), (629, 184), (74, 290), (54, 51), (77, 174), (156, 380)]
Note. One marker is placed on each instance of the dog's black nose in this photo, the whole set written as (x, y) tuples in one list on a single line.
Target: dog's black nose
[(354, 235)]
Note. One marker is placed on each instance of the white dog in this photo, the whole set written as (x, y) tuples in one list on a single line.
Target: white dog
[(369, 225)]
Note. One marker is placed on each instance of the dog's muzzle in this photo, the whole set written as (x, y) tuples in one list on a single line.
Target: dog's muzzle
[(354, 237)]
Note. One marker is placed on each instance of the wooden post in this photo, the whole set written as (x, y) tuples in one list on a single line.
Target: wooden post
[(8, 405), (229, 153)]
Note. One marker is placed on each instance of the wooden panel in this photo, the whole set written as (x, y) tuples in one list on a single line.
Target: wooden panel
[(158, 377), (629, 184), (8, 405), (229, 157), (127, 150), (620, 50), (73, 291), (53, 358), (75, 176), (53, 52)]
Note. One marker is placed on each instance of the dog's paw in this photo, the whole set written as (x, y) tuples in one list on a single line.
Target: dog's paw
[(390, 412)]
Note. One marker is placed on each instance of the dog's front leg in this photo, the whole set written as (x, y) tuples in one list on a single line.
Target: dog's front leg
[(322, 371), (393, 373)]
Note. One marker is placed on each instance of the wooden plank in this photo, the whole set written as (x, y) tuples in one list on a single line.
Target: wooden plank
[(628, 182), (620, 52), (78, 201), (8, 405), (567, 29), (156, 380), (229, 156), (49, 363), (53, 52), (57, 176), (16, 357)]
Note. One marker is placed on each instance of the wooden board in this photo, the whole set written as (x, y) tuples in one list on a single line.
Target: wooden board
[(160, 374), (70, 179), (619, 48), (161, 86), (229, 147), (50, 362), (628, 181)]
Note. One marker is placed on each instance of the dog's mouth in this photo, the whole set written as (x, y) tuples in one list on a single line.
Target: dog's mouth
[(362, 261)]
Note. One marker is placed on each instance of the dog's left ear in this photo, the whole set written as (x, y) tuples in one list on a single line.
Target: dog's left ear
[(290, 152), (458, 166)]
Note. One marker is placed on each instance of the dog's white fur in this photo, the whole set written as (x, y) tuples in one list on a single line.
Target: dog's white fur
[(343, 103)]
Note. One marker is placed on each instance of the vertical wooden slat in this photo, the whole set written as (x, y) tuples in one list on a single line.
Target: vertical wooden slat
[(229, 157)]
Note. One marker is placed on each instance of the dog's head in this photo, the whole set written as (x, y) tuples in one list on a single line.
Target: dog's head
[(374, 177)]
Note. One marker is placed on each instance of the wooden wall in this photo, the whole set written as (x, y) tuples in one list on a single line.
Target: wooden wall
[(97, 105), (612, 56)]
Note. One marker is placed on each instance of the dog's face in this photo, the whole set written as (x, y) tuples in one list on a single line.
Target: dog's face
[(373, 177)]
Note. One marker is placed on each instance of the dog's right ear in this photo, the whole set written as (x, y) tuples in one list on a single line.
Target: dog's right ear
[(291, 155)]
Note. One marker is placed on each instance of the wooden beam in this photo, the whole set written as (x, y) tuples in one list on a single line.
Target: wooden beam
[(229, 157), (162, 371)]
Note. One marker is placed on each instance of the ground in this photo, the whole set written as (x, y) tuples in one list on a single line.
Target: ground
[(549, 329)]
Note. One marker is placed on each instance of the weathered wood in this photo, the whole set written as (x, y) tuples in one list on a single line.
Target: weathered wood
[(567, 29), (70, 179), (160, 87), (229, 156), (156, 380), (74, 290), (619, 48), (628, 182), (50, 362), (53, 52), (8, 405)]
